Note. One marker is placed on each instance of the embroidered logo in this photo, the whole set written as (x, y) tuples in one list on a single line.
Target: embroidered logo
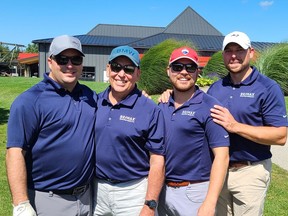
[(247, 95), (188, 113), (83, 98), (127, 118)]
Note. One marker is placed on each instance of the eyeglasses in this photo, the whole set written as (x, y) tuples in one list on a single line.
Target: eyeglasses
[(63, 60), (128, 69), (178, 67)]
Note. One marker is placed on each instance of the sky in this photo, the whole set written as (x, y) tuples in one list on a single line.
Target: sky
[(25, 21)]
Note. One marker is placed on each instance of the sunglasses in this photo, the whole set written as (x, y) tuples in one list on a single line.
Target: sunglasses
[(63, 60), (178, 67), (128, 69)]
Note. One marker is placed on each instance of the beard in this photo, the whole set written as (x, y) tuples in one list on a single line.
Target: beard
[(180, 87)]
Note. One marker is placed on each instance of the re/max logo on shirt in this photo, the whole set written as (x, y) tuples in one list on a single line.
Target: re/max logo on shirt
[(83, 98), (247, 95), (188, 113), (127, 118)]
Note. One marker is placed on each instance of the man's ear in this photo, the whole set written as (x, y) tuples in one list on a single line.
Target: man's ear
[(49, 61), (168, 71), (252, 51), (107, 70)]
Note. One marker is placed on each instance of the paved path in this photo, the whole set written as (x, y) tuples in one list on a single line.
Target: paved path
[(280, 155)]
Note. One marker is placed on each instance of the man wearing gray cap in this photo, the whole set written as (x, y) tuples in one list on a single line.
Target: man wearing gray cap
[(255, 116), (50, 144)]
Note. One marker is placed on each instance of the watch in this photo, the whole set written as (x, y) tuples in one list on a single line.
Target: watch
[(152, 204)]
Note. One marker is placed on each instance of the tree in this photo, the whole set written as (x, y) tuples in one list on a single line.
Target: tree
[(8, 56), (4, 52), (32, 48)]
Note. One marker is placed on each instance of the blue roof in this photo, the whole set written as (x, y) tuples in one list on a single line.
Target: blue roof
[(189, 25)]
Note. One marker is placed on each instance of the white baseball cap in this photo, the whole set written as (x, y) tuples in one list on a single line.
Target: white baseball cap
[(237, 37)]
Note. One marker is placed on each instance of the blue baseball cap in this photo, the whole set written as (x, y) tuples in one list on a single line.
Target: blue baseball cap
[(127, 51)]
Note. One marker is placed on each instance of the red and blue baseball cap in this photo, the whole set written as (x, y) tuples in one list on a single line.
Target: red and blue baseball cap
[(184, 52)]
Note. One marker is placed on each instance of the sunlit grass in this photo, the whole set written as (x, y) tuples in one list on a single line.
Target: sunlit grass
[(10, 87)]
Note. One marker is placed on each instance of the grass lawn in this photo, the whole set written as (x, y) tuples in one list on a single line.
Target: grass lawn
[(10, 87)]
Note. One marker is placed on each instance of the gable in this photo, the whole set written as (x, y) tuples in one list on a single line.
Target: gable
[(190, 22)]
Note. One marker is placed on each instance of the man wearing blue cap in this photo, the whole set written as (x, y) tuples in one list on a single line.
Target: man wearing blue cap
[(254, 114), (50, 146), (129, 142)]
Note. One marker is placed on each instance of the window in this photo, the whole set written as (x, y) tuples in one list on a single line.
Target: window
[(88, 73)]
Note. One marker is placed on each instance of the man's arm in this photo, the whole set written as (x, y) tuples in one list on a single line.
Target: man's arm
[(155, 181), (164, 97), (17, 176), (266, 135), (217, 177), (17, 179)]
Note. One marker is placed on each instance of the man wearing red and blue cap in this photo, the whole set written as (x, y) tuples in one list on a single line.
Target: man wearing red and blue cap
[(254, 114), (129, 142), (196, 147)]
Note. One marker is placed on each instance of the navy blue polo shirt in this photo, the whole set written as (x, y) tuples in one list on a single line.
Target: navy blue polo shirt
[(257, 101), (125, 134), (56, 128), (191, 134)]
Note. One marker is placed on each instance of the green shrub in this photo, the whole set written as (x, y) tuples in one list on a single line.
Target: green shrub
[(273, 62), (215, 66), (205, 81), (154, 79)]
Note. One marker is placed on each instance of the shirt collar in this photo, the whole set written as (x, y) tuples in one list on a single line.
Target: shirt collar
[(57, 86), (128, 101), (248, 81), (195, 99)]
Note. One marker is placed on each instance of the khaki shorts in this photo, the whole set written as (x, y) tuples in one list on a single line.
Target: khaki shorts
[(245, 189)]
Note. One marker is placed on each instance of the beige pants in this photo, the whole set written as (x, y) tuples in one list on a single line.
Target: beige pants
[(245, 189), (121, 199)]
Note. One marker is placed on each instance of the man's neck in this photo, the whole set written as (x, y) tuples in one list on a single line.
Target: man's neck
[(237, 78), (180, 97)]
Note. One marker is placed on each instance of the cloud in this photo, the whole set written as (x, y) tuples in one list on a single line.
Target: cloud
[(266, 4)]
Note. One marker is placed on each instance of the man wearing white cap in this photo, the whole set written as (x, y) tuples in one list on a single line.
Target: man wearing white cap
[(196, 147), (50, 145), (254, 114)]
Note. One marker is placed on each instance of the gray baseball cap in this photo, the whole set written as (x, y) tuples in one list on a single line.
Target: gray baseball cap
[(64, 42)]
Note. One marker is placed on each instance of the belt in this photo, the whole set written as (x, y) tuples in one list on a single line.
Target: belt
[(112, 181), (239, 164), (182, 183), (74, 191)]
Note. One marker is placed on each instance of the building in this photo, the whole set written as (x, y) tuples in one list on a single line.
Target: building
[(29, 64), (98, 42)]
